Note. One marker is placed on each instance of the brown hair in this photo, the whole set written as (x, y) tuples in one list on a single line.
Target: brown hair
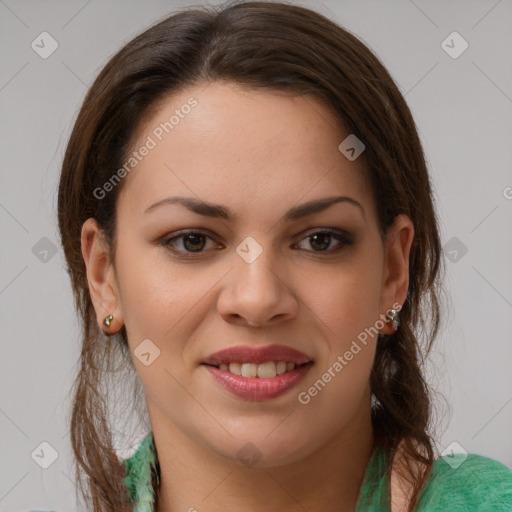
[(276, 46)]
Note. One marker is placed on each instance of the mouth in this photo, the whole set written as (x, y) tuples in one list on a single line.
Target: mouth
[(247, 355), (258, 374), (257, 388), (267, 370)]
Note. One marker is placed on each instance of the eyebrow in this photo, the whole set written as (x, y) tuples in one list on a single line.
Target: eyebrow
[(218, 211)]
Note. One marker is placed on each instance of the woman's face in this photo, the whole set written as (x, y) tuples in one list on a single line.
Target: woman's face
[(257, 278)]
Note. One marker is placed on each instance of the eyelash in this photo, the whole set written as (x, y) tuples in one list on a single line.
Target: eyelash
[(342, 237)]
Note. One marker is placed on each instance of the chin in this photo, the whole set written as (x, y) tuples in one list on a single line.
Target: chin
[(265, 451)]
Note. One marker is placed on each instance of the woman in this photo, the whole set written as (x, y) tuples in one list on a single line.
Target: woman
[(248, 221)]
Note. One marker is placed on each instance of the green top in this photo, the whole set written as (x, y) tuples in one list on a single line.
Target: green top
[(457, 482)]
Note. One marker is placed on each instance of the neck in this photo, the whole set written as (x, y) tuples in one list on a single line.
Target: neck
[(194, 478)]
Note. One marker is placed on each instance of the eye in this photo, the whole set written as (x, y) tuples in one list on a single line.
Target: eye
[(321, 240), (190, 241)]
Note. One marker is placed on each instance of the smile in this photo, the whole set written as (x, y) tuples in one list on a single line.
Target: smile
[(258, 382)]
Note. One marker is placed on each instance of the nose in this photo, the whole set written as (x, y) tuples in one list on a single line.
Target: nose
[(258, 293)]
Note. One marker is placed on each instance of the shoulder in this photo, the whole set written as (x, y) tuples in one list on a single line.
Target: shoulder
[(467, 482)]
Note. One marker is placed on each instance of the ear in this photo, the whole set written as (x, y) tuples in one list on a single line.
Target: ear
[(101, 277), (395, 277)]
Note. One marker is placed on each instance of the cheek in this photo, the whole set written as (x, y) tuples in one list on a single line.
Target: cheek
[(342, 374), (162, 300), (346, 298), (346, 306), (152, 297)]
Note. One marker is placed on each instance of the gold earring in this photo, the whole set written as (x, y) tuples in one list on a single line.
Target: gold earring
[(108, 320), (395, 319)]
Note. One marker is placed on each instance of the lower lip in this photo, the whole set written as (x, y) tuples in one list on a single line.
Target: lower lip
[(258, 389)]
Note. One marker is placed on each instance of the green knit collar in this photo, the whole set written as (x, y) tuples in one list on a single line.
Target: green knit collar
[(140, 468)]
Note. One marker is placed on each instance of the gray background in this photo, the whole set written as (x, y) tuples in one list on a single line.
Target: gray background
[(463, 109)]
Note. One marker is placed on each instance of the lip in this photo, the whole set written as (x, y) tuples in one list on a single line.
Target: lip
[(259, 355), (258, 389)]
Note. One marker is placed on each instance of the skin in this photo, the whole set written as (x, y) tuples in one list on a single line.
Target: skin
[(259, 153)]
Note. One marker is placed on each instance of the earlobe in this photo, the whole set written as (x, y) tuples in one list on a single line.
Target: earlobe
[(396, 269), (101, 278)]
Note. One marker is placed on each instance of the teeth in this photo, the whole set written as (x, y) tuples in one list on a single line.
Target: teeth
[(281, 367), (249, 370), (235, 368), (264, 370)]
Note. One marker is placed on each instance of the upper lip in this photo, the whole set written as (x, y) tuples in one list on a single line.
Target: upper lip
[(248, 354)]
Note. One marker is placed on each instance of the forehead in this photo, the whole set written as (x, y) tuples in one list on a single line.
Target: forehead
[(227, 143)]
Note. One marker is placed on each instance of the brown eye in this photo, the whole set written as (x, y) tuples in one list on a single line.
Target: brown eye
[(189, 242), (321, 241), (193, 242)]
